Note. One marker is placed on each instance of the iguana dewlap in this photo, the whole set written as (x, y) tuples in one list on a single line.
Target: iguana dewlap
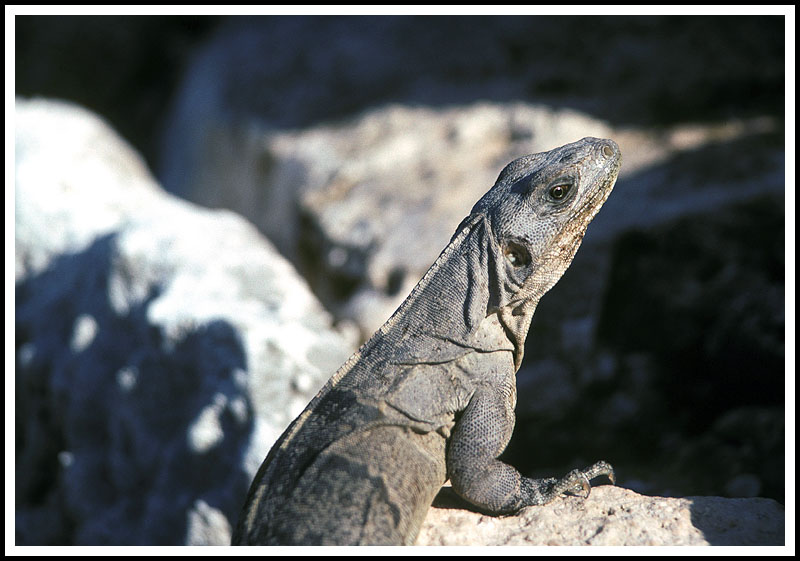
[(431, 395)]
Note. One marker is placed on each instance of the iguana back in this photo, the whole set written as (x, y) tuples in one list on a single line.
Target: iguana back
[(431, 395)]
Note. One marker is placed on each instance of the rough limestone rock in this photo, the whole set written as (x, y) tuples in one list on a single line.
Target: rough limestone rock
[(161, 347), (610, 516)]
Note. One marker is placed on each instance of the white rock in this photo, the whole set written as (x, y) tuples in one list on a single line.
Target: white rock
[(161, 342)]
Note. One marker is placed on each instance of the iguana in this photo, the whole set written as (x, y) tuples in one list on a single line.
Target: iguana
[(431, 395)]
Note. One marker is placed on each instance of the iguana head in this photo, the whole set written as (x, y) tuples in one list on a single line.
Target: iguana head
[(513, 247), (538, 212)]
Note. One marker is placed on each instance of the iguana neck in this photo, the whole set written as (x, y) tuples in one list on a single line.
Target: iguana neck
[(445, 315)]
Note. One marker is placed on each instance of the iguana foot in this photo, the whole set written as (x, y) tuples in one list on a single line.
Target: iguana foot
[(578, 479), (537, 492)]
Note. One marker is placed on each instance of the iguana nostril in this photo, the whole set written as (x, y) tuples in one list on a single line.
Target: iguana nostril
[(608, 151)]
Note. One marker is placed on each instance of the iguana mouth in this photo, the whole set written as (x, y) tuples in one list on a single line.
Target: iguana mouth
[(589, 209)]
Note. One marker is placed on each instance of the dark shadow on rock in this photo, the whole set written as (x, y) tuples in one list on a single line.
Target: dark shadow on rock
[(739, 521), (104, 405), (447, 498), (705, 295), (697, 308), (626, 69)]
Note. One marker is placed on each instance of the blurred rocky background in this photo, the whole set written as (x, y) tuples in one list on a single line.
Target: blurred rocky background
[(211, 213)]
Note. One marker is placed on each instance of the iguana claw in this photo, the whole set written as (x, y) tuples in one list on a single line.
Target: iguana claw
[(601, 468), (578, 479)]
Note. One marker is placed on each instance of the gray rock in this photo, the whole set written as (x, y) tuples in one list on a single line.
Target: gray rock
[(611, 516), (364, 207), (208, 526), (161, 347)]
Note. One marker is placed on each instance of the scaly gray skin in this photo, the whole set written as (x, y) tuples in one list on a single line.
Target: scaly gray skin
[(432, 394)]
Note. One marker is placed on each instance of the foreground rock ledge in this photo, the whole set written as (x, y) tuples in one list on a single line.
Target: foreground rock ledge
[(610, 516)]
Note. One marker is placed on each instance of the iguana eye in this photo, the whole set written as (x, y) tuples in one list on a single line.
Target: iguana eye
[(517, 255), (560, 191)]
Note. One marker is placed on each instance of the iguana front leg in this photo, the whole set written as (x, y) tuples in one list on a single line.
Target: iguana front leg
[(479, 437)]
